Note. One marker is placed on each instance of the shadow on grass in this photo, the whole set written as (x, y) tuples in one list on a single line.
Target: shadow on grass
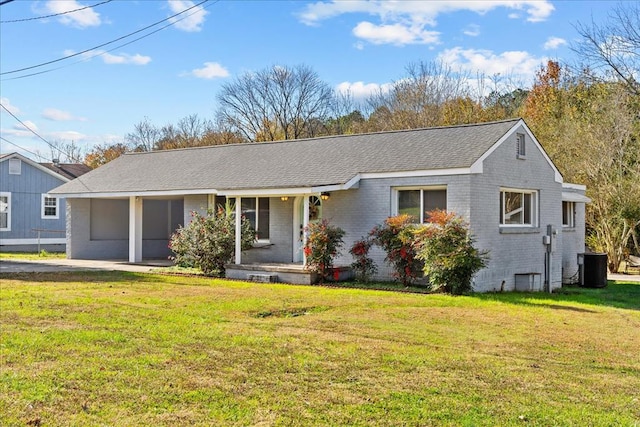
[(616, 294), (86, 276)]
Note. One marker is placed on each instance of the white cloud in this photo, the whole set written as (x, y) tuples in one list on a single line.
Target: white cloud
[(66, 135), (397, 34), (211, 70), (80, 19), (191, 21), (519, 64), (109, 58), (60, 116), (472, 30), (125, 58), (403, 22), (28, 124), (554, 43), (7, 104), (360, 90)]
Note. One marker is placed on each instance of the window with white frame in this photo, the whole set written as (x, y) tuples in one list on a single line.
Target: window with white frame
[(256, 210), (418, 202), (518, 207), (520, 146), (5, 211), (568, 214), (49, 207)]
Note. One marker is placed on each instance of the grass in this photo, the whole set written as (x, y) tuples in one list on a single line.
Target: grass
[(31, 255), (126, 349)]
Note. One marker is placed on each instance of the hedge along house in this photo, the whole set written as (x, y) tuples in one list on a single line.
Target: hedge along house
[(495, 175)]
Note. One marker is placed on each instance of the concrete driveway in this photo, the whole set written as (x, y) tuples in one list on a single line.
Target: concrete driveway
[(53, 265)]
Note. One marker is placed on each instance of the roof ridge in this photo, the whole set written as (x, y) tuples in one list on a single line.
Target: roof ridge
[(284, 141)]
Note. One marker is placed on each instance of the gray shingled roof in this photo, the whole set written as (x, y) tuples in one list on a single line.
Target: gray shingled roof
[(332, 160)]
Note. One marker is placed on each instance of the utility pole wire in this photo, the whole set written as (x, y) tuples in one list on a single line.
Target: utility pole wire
[(22, 148), (104, 44), (55, 14), (29, 129), (106, 51)]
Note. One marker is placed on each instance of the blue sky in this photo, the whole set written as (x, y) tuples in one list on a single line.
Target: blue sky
[(360, 46)]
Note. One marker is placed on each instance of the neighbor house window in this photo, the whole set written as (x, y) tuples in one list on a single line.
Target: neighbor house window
[(15, 166), (256, 210), (5, 211), (419, 202), (568, 214), (520, 146), (49, 207), (518, 207)]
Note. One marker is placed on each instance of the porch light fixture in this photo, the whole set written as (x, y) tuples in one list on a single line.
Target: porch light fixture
[(325, 195), (284, 198)]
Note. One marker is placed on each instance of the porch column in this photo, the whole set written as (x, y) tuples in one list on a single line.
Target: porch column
[(305, 223), (238, 230), (135, 229)]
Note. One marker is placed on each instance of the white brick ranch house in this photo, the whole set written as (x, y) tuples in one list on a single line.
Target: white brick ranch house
[(496, 175)]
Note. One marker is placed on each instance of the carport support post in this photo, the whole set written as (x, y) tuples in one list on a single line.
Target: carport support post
[(238, 230), (135, 229)]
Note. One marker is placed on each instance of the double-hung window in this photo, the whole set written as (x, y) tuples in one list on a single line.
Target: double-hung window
[(5, 211), (518, 207), (418, 202), (568, 214), (49, 207), (256, 210)]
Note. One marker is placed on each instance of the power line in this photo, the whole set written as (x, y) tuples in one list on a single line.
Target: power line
[(55, 14), (109, 50), (22, 148), (29, 129), (3, 2), (109, 42)]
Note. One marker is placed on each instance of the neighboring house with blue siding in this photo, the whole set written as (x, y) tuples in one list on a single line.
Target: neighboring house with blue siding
[(27, 210), (495, 175)]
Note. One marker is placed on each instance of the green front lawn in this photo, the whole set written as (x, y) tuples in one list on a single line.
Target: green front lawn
[(31, 255), (125, 349)]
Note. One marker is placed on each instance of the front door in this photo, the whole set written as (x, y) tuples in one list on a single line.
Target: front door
[(315, 215)]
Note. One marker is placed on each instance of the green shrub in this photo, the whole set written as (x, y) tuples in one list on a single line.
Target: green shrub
[(322, 246), (208, 242), (446, 247), (396, 238)]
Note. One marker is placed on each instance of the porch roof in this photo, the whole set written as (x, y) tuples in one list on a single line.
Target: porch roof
[(292, 164)]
